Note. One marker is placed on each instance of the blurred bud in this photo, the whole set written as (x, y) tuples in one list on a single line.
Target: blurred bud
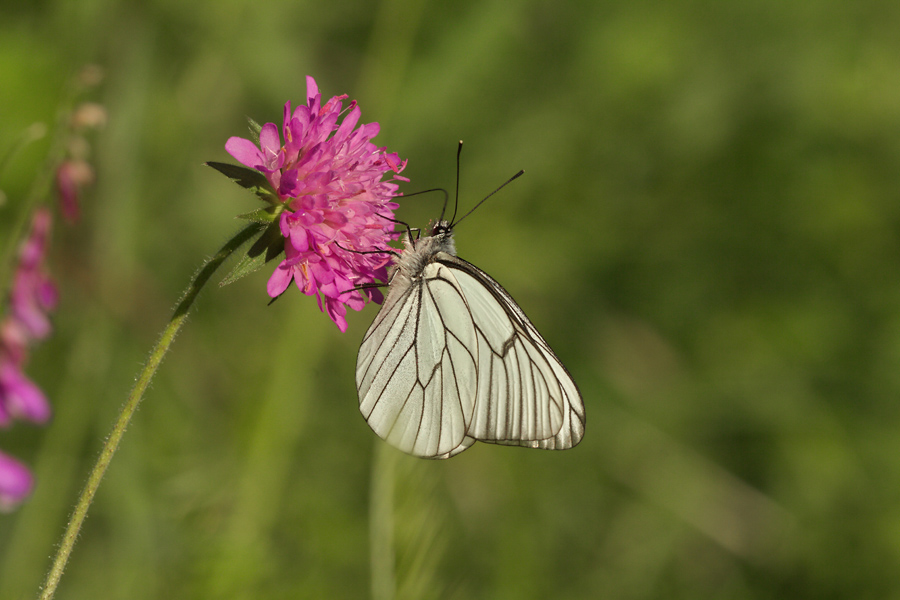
[(71, 176), (89, 115), (90, 75)]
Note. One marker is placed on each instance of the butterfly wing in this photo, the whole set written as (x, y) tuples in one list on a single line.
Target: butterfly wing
[(416, 368), (451, 359), (525, 396)]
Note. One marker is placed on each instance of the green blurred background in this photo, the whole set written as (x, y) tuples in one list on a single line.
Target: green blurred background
[(708, 234)]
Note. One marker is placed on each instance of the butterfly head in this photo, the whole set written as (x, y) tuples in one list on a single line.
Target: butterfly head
[(442, 229)]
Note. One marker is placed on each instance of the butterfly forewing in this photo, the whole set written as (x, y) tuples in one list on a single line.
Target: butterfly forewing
[(415, 374), (385, 346)]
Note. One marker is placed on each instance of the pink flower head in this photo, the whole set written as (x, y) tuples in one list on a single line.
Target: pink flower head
[(337, 210), (16, 482)]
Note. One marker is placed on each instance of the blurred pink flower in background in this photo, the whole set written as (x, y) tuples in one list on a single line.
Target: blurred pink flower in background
[(16, 482), (71, 176), (75, 173), (32, 296)]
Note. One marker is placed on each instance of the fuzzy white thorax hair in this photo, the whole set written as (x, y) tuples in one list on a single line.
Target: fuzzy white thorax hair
[(418, 253)]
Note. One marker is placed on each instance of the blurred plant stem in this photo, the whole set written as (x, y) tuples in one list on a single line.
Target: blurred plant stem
[(387, 60), (29, 135), (264, 472), (134, 399), (40, 187), (381, 522)]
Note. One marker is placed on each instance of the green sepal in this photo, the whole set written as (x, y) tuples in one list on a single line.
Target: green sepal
[(269, 245), (255, 128), (248, 179), (263, 216)]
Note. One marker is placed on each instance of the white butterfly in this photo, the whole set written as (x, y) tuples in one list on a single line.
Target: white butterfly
[(451, 359)]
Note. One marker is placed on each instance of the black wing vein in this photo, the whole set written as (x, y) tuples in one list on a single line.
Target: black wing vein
[(551, 413)]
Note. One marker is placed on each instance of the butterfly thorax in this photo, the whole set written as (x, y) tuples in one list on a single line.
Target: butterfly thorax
[(418, 253)]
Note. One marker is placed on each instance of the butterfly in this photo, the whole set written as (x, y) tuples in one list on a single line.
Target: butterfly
[(451, 359)]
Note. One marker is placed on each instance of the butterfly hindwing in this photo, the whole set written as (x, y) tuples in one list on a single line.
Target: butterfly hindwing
[(416, 373), (525, 395)]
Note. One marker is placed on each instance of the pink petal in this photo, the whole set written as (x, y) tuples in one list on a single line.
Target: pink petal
[(375, 295), (337, 312), (286, 122), (280, 280), (348, 124), (284, 223), (300, 118), (312, 90), (269, 141), (245, 152), (290, 185), (394, 162), (299, 238)]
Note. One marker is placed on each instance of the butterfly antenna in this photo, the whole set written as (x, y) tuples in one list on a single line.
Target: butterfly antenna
[(409, 229), (442, 190), (398, 222), (456, 199), (506, 183), (390, 251)]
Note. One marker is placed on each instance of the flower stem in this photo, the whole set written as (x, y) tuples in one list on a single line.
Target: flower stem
[(134, 398)]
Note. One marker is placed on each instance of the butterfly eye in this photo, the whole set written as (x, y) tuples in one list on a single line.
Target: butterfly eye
[(441, 229)]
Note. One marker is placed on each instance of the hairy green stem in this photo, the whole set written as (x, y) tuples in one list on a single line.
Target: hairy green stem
[(134, 399)]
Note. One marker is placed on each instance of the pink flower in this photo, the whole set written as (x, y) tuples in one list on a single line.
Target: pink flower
[(32, 296), (336, 208), (15, 482), (19, 397)]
